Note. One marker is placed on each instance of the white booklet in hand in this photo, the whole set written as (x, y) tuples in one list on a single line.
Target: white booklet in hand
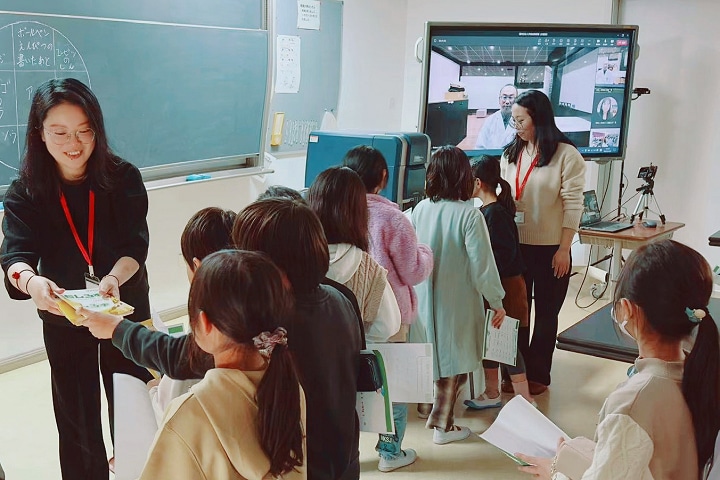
[(500, 344), (522, 428)]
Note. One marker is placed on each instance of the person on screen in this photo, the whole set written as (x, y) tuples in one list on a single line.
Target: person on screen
[(605, 108), (663, 421), (497, 130), (547, 176), (601, 75)]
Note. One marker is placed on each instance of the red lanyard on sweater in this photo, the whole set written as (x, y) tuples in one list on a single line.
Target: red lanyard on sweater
[(520, 188), (87, 254)]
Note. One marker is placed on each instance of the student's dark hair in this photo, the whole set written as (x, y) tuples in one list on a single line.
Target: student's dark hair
[(38, 170), (290, 233), (448, 175), (338, 198), (487, 169), (280, 191), (368, 163), (547, 134), (244, 294), (664, 279), (206, 232)]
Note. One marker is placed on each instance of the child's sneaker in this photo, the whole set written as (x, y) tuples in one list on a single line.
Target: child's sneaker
[(406, 457), (456, 433), (483, 402)]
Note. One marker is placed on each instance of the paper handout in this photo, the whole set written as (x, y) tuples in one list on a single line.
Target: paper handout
[(90, 299), (522, 428), (500, 344), (409, 368), (135, 426)]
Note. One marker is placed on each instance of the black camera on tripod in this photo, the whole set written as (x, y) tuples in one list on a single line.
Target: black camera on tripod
[(647, 173)]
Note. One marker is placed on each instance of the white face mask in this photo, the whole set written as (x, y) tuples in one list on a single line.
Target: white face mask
[(622, 324)]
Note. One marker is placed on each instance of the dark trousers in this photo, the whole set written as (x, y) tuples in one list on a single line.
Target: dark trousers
[(74, 356), (549, 293)]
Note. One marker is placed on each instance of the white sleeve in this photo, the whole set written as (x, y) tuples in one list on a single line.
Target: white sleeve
[(623, 450), (387, 321), (484, 139)]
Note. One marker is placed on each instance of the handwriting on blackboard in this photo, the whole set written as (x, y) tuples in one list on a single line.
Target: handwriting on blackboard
[(30, 53)]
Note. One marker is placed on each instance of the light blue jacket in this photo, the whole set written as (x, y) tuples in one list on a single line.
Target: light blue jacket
[(450, 302)]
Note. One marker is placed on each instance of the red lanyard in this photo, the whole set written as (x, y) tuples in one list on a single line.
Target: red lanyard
[(87, 254), (520, 188)]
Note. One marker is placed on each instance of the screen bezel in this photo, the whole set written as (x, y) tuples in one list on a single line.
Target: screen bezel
[(432, 27)]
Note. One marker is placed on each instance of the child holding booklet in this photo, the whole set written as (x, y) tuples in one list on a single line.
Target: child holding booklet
[(663, 421), (206, 232), (238, 301), (499, 212)]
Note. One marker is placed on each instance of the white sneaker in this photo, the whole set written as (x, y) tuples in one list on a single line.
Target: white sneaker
[(455, 434), (407, 457)]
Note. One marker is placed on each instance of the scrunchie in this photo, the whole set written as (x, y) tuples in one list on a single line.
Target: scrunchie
[(265, 342), (695, 315)]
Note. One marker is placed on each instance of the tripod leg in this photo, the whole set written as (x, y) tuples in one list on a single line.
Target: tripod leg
[(660, 214), (638, 209)]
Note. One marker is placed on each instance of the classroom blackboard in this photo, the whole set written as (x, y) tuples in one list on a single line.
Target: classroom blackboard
[(177, 97), (319, 87)]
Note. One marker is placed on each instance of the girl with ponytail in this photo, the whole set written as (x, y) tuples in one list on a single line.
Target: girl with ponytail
[(499, 212), (663, 421), (246, 418)]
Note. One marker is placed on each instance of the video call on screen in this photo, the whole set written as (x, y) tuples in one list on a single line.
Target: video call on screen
[(583, 74)]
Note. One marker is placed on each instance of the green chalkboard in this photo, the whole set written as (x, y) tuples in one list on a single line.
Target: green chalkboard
[(177, 97)]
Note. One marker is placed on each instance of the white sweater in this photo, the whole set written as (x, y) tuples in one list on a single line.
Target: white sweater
[(553, 196)]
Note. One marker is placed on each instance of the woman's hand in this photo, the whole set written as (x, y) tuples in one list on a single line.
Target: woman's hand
[(498, 317), (539, 467), (561, 262), (110, 286), (101, 325), (42, 290)]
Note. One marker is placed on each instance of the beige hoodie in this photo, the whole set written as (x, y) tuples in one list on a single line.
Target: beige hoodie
[(209, 433)]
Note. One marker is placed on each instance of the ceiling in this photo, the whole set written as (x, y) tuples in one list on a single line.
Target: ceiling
[(486, 55)]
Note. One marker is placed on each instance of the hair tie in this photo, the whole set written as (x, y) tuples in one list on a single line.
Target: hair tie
[(265, 342), (695, 315)]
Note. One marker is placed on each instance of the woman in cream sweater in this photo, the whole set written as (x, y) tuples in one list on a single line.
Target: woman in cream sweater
[(547, 177)]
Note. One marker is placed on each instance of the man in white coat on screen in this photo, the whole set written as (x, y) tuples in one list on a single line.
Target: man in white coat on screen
[(497, 130)]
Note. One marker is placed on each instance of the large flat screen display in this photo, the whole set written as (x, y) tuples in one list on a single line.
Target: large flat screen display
[(473, 72)]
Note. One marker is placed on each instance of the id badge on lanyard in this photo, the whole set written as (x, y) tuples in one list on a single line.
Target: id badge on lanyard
[(91, 281), (520, 187)]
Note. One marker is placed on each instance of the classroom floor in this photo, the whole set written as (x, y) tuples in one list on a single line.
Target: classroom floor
[(28, 438)]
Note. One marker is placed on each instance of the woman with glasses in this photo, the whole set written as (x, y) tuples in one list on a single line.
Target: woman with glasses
[(76, 214), (547, 176)]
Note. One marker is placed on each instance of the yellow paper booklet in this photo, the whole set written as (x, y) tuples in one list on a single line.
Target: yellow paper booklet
[(90, 299)]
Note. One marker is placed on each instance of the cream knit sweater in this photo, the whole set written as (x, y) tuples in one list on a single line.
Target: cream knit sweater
[(553, 197)]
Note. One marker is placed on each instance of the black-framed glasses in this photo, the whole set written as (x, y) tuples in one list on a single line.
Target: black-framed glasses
[(61, 137)]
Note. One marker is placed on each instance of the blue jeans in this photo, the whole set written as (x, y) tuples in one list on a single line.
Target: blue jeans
[(389, 446)]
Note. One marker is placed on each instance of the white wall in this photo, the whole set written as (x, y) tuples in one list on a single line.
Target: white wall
[(371, 85), (444, 72), (675, 127), (578, 83)]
